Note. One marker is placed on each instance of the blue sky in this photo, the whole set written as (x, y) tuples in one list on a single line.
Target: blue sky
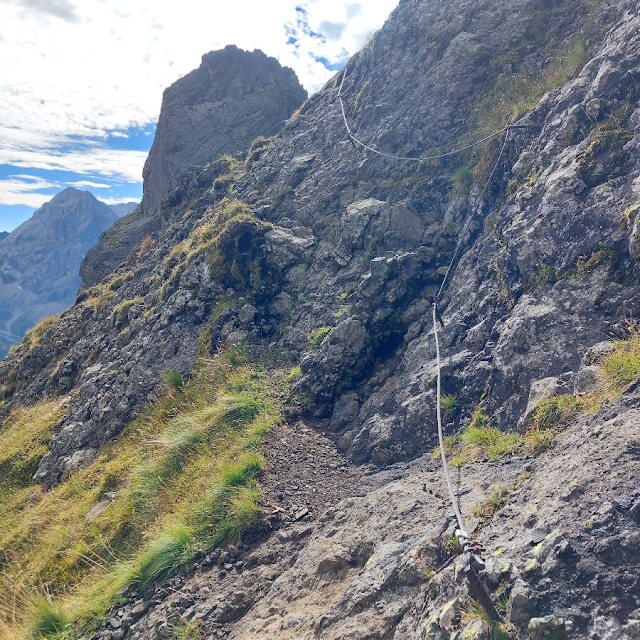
[(81, 82)]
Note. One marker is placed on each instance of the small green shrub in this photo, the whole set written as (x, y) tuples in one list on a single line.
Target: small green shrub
[(49, 618), (315, 338), (449, 404), (462, 180), (174, 379)]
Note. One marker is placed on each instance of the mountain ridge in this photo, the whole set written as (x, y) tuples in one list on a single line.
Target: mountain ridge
[(41, 257), (233, 97), (313, 267)]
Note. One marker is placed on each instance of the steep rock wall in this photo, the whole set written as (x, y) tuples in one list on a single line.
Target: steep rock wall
[(220, 107), (342, 249)]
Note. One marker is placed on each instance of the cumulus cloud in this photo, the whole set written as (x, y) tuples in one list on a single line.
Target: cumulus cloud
[(62, 9), (23, 189), (77, 79), (87, 183), (49, 151), (107, 74), (332, 30), (118, 200)]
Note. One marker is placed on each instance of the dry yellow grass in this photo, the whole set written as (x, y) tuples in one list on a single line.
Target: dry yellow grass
[(184, 475)]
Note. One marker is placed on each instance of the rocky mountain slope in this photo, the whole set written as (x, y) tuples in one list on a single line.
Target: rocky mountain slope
[(220, 107), (40, 259), (123, 208), (327, 258)]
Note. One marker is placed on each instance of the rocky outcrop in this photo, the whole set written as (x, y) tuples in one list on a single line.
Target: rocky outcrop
[(40, 259), (332, 255), (234, 97), (359, 244)]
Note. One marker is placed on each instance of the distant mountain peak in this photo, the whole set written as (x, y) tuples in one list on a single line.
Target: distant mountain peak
[(41, 258)]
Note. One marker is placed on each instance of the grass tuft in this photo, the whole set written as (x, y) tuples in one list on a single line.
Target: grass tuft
[(173, 378), (184, 475), (315, 338), (172, 549), (33, 336), (50, 619), (449, 404)]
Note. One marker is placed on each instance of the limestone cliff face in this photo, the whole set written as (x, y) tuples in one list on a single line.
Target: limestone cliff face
[(354, 246), (220, 107), (39, 260)]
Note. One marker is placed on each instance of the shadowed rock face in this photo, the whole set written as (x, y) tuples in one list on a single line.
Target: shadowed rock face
[(40, 259), (220, 107)]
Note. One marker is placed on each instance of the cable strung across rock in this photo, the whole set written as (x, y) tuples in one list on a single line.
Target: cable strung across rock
[(472, 550), (421, 158)]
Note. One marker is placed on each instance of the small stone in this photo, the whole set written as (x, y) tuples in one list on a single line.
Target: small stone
[(588, 379), (520, 607), (247, 314), (448, 613), (301, 514), (477, 630), (632, 628), (541, 628), (140, 608)]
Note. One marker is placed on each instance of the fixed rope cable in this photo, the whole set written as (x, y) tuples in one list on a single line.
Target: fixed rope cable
[(421, 158), (472, 550)]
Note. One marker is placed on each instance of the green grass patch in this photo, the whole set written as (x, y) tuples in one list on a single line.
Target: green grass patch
[(448, 404), (315, 338), (294, 373), (494, 503), (173, 378), (621, 367), (185, 477), (33, 336)]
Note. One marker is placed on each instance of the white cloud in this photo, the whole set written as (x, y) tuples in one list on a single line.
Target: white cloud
[(22, 189), (119, 200), (88, 183), (78, 78), (62, 9), (98, 68), (46, 150)]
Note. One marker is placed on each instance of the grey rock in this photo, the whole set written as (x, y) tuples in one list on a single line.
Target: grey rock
[(632, 628), (220, 107), (246, 314), (541, 628), (605, 629), (540, 390), (520, 608), (588, 379)]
